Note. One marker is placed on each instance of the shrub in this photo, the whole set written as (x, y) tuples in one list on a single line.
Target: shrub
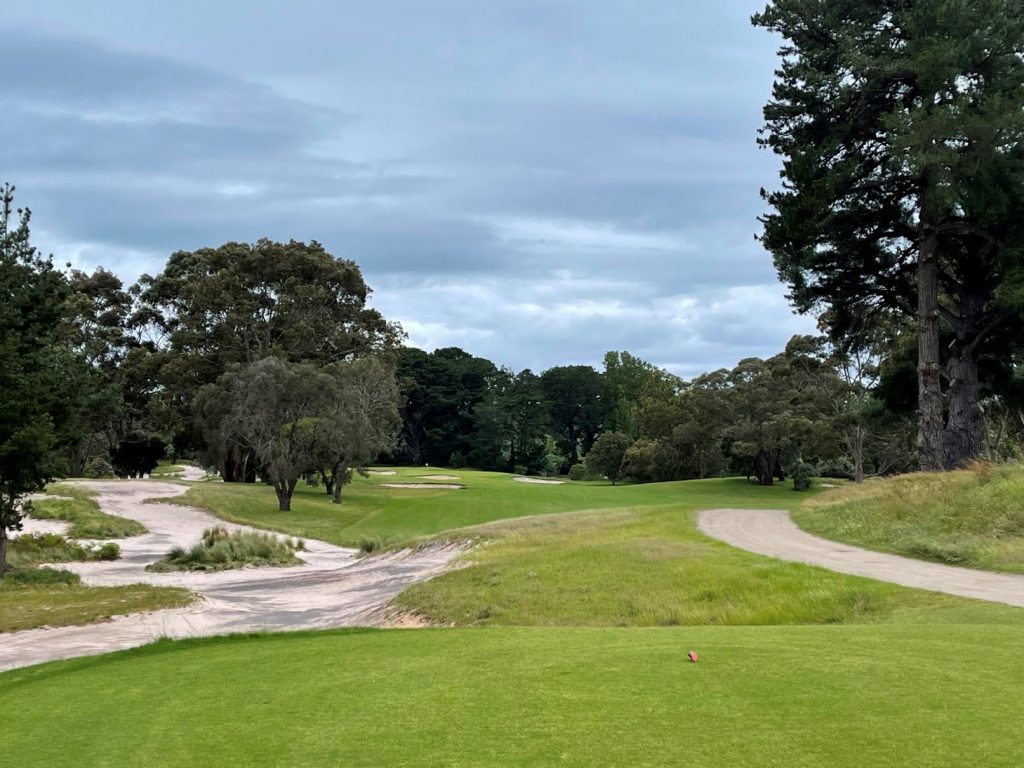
[(520, 469), (802, 473), (456, 460), (219, 550), (109, 551), (577, 472), (98, 468)]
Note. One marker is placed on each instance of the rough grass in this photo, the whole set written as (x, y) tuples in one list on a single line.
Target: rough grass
[(798, 697), (78, 507), (43, 597), (972, 518), (28, 550), (219, 550)]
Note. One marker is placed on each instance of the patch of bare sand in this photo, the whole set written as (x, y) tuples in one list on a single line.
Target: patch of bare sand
[(334, 587), (538, 480), (440, 477), (381, 472), (423, 486)]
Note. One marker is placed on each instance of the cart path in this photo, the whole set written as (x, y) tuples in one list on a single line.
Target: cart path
[(333, 588), (773, 533)]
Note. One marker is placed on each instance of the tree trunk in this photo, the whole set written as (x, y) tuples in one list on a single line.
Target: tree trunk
[(965, 431), (931, 453), (284, 498), (3, 552), (329, 480), (764, 468), (339, 481)]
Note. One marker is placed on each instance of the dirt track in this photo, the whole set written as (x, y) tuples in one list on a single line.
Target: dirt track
[(771, 532), (334, 588)]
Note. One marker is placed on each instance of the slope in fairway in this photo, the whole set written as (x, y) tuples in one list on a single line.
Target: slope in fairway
[(760, 696)]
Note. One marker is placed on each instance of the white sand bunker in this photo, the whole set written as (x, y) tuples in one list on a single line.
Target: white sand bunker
[(440, 477), (423, 486), (538, 481), (381, 472)]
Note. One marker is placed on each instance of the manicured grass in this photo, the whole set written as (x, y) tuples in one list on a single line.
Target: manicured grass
[(81, 510), (392, 517), (973, 518), (27, 606), (763, 696)]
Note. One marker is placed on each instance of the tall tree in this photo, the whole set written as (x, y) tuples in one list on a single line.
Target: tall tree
[(31, 365), (575, 407), (272, 410), (360, 420), (903, 156), (240, 303)]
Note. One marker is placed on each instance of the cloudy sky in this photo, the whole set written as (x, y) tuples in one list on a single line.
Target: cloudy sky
[(537, 181)]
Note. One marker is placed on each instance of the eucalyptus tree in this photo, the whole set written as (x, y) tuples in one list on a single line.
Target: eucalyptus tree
[(240, 303), (901, 127)]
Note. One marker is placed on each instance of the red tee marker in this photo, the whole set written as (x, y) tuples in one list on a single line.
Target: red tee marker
[(692, 656)]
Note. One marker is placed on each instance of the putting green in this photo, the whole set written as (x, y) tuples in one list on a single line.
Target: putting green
[(760, 696)]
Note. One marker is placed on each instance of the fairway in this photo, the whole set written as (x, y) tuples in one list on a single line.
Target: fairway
[(769, 696)]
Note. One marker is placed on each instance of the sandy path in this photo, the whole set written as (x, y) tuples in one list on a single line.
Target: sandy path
[(334, 587), (772, 532)]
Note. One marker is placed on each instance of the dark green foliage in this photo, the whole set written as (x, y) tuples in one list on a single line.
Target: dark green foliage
[(901, 126), (456, 460), (575, 409), (802, 472), (577, 472), (138, 454), (32, 387), (606, 455)]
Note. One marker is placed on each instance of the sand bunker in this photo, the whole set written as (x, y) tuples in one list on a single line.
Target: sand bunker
[(440, 477), (538, 481), (422, 486), (381, 472)]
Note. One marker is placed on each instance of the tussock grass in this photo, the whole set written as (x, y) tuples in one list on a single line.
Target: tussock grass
[(219, 550), (40, 548), (972, 518), (78, 506)]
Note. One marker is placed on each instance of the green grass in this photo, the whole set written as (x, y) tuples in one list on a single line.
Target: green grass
[(760, 696), (81, 510), (56, 604), (579, 554), (394, 517), (973, 518), (28, 550), (219, 550)]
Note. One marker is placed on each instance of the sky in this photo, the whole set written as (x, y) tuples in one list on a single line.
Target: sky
[(535, 181)]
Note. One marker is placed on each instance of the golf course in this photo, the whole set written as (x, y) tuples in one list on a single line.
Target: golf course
[(559, 636)]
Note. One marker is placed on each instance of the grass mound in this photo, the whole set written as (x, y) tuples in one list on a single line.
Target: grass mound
[(53, 548), (78, 506), (972, 518), (219, 550), (46, 597), (799, 697)]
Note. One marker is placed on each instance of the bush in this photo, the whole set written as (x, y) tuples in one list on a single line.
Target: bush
[(98, 468), (520, 469), (456, 460), (577, 472), (109, 551), (802, 473), (219, 550)]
